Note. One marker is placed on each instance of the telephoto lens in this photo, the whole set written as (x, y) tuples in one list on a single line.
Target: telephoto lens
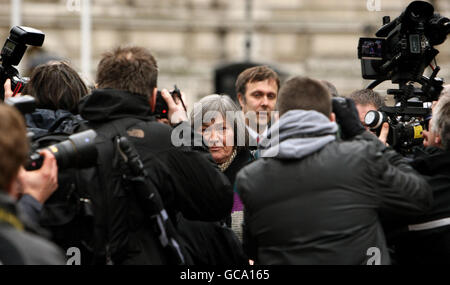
[(78, 151)]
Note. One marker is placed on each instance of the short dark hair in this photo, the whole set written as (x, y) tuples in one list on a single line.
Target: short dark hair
[(255, 74), (56, 85), (366, 97), (132, 69), (13, 144), (304, 93)]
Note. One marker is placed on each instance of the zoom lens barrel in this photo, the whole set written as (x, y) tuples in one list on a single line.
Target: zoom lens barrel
[(78, 151), (374, 119)]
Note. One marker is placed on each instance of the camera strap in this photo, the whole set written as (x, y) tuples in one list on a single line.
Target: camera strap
[(138, 181), (429, 225)]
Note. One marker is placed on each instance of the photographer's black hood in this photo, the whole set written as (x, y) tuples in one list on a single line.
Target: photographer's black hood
[(111, 104)]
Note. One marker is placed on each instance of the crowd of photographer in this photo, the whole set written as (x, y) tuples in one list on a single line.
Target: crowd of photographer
[(291, 173)]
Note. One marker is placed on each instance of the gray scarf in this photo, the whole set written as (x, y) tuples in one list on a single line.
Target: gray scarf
[(297, 134)]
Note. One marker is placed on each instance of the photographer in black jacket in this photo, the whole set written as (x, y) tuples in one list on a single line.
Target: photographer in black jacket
[(19, 243), (426, 239), (187, 179), (312, 199), (57, 89)]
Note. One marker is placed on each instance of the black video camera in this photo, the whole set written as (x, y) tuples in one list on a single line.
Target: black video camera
[(161, 110), (78, 151), (402, 51), (11, 54), (405, 131), (405, 46)]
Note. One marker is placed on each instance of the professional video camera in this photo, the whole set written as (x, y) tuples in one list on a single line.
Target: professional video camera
[(402, 51), (11, 54)]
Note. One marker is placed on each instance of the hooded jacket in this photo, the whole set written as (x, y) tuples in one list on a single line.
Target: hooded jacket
[(40, 123), (187, 179), (315, 200), (184, 164), (45, 121)]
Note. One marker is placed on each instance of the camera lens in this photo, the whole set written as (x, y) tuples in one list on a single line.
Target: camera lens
[(77, 151), (374, 119), (419, 11)]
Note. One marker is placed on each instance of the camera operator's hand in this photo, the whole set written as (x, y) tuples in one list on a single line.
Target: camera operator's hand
[(347, 117), (8, 92), (384, 133), (163, 121), (41, 183), (177, 113)]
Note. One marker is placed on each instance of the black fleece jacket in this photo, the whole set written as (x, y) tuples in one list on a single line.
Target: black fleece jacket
[(188, 179)]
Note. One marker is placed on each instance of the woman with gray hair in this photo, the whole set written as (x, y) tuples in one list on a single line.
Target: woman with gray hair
[(222, 125)]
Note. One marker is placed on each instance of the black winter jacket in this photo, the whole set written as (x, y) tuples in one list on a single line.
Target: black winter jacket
[(426, 239), (214, 243), (323, 208), (45, 121), (20, 247), (187, 179)]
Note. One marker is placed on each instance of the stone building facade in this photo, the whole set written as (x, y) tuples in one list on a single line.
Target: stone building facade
[(190, 38)]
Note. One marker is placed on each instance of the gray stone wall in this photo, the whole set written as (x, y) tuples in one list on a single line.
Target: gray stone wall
[(191, 37)]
